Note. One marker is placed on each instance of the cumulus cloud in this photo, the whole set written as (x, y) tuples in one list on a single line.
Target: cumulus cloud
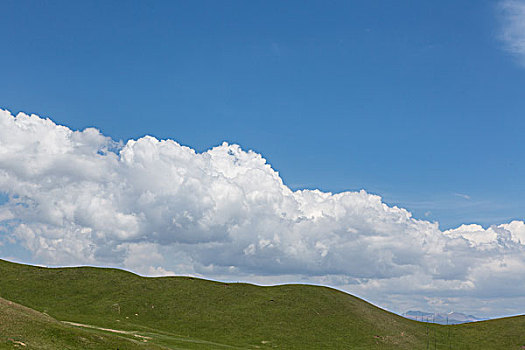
[(513, 27), (157, 207)]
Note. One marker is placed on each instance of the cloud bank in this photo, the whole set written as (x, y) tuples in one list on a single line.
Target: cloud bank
[(156, 207)]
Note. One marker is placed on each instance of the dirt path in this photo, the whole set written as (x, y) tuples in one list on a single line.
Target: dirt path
[(133, 333), (145, 339)]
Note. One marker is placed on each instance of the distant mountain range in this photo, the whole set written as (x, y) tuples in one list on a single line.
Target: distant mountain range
[(441, 318)]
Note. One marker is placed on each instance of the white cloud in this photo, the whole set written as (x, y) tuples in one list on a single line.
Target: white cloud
[(462, 195), (158, 208), (513, 27)]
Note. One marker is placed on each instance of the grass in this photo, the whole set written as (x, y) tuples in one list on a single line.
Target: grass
[(190, 313), (22, 327)]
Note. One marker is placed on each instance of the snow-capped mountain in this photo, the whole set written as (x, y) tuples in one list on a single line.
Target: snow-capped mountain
[(441, 318)]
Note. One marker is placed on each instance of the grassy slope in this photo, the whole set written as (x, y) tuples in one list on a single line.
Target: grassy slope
[(22, 327), (241, 315)]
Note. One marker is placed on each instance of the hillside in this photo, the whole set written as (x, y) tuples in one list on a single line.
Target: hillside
[(184, 312), (22, 327)]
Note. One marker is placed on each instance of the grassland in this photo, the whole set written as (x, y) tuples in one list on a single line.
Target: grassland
[(22, 327), (190, 313)]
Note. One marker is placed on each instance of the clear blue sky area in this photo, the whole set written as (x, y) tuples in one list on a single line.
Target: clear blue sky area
[(413, 100)]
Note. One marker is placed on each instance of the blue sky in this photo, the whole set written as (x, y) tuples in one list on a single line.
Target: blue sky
[(415, 101), (420, 103)]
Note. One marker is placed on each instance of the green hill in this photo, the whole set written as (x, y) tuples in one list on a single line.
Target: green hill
[(22, 327), (190, 313)]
